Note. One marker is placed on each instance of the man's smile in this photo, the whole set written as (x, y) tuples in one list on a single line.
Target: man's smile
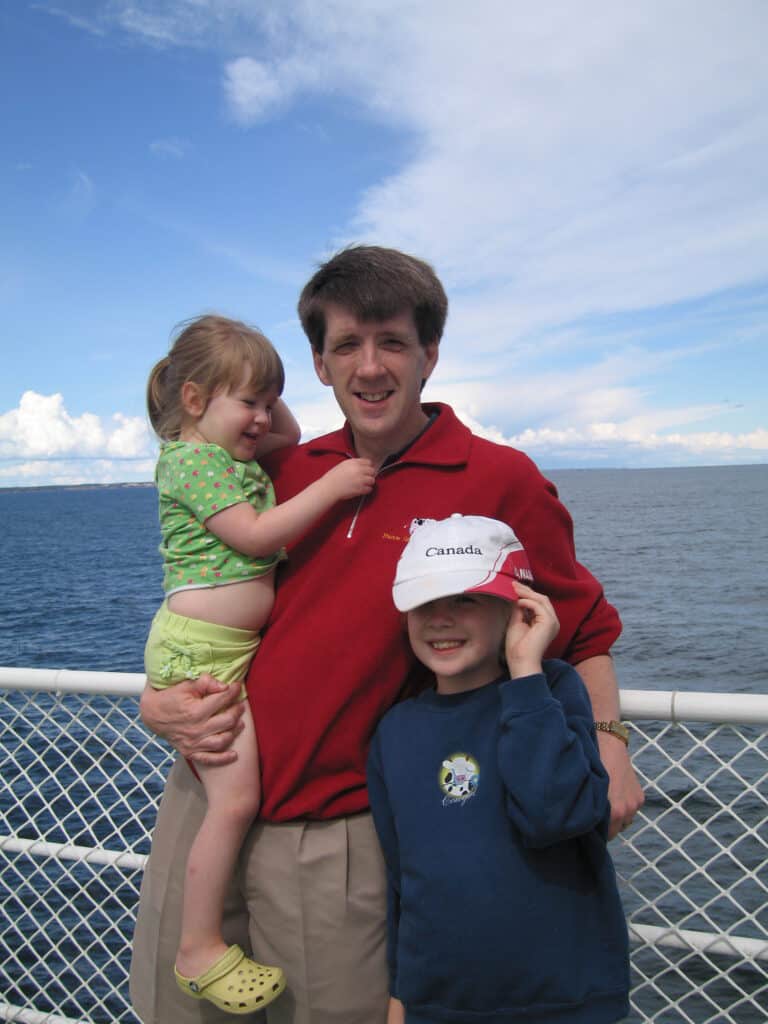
[(373, 396)]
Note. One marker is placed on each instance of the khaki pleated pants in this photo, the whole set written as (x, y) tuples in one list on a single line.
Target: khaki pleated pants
[(310, 897)]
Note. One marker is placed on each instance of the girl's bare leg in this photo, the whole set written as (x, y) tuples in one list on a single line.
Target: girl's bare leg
[(233, 792)]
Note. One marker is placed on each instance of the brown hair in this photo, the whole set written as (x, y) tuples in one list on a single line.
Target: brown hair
[(374, 284), (213, 352)]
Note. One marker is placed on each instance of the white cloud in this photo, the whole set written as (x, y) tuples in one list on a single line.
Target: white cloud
[(93, 24), (252, 88), (164, 23), (41, 427), (170, 147), (629, 443), (129, 438), (317, 415), (521, 387), (79, 199), (65, 472)]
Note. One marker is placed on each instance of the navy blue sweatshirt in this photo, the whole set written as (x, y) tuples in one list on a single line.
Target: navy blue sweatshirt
[(492, 811)]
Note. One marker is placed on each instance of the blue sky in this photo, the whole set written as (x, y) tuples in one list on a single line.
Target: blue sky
[(587, 179)]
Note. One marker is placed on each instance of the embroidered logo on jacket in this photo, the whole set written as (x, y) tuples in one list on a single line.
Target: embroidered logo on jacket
[(458, 777)]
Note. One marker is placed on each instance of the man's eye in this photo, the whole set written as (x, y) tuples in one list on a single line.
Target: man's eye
[(394, 344)]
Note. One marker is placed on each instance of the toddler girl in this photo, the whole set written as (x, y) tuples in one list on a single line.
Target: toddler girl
[(215, 403)]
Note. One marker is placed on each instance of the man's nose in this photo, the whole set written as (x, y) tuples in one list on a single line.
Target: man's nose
[(369, 359)]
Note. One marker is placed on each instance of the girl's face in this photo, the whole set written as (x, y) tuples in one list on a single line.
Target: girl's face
[(234, 419), (460, 639)]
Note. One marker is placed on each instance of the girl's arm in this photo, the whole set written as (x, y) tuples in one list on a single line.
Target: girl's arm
[(283, 433), (396, 1014), (244, 529)]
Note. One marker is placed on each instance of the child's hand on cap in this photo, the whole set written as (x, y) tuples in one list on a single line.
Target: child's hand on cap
[(532, 627)]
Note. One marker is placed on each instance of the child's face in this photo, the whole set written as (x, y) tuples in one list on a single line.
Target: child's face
[(234, 419), (460, 639)]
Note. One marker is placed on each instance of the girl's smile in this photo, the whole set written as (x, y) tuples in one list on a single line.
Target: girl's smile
[(235, 420)]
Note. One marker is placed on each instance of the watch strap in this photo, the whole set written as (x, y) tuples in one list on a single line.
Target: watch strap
[(617, 729)]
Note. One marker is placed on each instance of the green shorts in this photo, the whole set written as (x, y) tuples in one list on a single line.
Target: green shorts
[(180, 648)]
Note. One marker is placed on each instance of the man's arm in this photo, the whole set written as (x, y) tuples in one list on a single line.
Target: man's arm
[(589, 625), (624, 792), (199, 717)]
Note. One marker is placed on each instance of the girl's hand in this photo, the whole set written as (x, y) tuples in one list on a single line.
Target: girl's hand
[(284, 431), (396, 1013), (350, 479), (532, 627)]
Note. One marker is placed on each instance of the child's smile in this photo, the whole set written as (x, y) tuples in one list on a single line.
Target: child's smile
[(460, 639), (235, 420)]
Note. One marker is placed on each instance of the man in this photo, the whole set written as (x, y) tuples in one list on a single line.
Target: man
[(334, 657)]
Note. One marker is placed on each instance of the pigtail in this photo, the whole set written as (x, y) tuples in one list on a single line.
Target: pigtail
[(158, 396)]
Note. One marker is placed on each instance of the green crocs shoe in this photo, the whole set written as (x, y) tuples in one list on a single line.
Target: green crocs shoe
[(235, 984)]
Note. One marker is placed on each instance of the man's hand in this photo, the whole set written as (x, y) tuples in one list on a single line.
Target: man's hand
[(199, 717), (624, 792)]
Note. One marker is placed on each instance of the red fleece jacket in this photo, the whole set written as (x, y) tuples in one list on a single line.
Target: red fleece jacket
[(335, 656)]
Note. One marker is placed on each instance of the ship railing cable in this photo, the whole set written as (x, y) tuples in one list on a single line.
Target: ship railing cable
[(81, 779)]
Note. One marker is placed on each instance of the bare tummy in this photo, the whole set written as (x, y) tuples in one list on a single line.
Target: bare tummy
[(243, 605)]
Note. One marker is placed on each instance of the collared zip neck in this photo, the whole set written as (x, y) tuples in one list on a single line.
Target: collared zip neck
[(361, 502), (391, 460)]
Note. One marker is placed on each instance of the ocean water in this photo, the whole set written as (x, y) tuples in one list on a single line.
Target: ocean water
[(682, 553), (82, 577)]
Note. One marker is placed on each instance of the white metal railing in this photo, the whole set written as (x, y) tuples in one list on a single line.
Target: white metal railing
[(81, 779)]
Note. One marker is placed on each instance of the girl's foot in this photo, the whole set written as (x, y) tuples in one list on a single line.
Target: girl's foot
[(235, 983)]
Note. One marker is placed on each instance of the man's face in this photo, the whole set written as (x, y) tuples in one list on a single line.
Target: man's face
[(376, 369)]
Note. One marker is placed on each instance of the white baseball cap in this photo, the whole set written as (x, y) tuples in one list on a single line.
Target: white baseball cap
[(459, 555)]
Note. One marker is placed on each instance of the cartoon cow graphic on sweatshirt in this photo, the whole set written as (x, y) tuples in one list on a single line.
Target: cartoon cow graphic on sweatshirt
[(458, 778)]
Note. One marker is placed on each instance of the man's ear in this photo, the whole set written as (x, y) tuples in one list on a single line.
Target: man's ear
[(192, 399), (317, 358), (431, 351)]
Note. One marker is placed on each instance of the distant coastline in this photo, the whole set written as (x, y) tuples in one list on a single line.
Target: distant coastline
[(546, 470), (79, 487)]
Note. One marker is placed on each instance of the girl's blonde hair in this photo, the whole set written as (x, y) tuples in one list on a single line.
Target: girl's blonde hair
[(213, 352)]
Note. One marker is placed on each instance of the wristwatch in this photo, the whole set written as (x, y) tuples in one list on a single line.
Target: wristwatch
[(617, 729)]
